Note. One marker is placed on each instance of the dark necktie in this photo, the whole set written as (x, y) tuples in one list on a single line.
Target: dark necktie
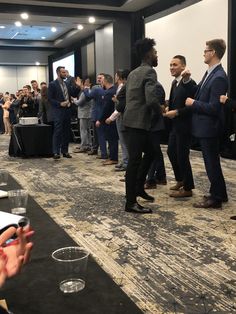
[(203, 79), (172, 93), (200, 85)]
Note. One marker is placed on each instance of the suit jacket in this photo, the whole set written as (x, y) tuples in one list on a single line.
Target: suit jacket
[(208, 112), (183, 122), (141, 98), (55, 97), (97, 94), (108, 108), (84, 106)]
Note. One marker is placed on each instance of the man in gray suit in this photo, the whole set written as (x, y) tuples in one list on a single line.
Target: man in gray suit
[(141, 103)]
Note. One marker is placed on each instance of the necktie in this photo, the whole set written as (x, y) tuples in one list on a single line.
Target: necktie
[(172, 93), (65, 90), (203, 79), (200, 85)]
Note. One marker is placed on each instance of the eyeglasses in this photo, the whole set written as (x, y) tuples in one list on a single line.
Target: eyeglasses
[(207, 50)]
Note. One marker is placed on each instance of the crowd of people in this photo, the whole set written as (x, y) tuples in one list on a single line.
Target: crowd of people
[(130, 109)]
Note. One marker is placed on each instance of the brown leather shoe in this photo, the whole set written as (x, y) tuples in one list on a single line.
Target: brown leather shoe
[(208, 203), (177, 186), (110, 162), (181, 193)]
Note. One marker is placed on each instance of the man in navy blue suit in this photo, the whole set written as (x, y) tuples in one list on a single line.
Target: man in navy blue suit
[(110, 130), (59, 94), (208, 121)]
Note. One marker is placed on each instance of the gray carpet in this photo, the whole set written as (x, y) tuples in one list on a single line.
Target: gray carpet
[(177, 260)]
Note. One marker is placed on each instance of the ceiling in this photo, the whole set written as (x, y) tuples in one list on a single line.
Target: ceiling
[(63, 15)]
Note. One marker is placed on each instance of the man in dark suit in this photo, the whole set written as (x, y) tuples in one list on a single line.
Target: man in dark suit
[(110, 130), (59, 95), (180, 134), (208, 121), (141, 102)]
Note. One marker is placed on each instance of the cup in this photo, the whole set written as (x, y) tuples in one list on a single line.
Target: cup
[(18, 201), (71, 266), (3, 177)]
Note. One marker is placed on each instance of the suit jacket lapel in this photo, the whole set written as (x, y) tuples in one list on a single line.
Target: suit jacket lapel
[(201, 86)]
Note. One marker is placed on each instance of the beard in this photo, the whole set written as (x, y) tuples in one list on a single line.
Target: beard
[(155, 62)]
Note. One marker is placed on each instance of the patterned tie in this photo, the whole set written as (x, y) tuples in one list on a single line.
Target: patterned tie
[(65, 91)]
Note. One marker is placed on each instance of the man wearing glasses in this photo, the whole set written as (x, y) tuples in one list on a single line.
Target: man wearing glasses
[(208, 121)]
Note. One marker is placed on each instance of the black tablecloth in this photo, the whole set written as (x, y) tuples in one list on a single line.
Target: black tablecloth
[(31, 140), (35, 290)]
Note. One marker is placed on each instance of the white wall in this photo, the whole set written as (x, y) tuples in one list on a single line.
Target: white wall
[(13, 78), (185, 32)]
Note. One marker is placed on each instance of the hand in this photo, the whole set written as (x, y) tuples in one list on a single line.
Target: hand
[(24, 106), (17, 252), (3, 271), (186, 74), (108, 121), (223, 99), (114, 98), (79, 83), (65, 103), (189, 101), (171, 114), (98, 123)]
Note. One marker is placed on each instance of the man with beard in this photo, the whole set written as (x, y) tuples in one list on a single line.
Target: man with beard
[(141, 102), (59, 95)]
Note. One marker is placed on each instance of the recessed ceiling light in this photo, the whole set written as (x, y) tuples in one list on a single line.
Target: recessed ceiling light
[(80, 27), (91, 19), (18, 23), (37, 63), (53, 29), (2, 26), (24, 16), (43, 37)]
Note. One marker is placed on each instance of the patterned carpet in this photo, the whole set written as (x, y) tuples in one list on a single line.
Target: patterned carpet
[(177, 260)]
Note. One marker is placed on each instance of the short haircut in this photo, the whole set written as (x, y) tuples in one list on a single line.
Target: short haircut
[(143, 46), (33, 81), (218, 45), (101, 74), (43, 83), (181, 58), (108, 78), (59, 69)]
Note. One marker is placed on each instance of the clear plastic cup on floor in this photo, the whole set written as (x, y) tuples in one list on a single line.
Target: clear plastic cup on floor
[(71, 267), (3, 177), (18, 201)]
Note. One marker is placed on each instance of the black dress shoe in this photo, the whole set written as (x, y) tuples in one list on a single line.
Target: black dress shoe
[(92, 152), (208, 203), (136, 208), (67, 155), (56, 156), (208, 197), (146, 196)]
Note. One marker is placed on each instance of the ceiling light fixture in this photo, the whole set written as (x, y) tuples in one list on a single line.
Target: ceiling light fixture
[(53, 29), (37, 63), (91, 19), (80, 27), (18, 23), (2, 26), (24, 16), (43, 37)]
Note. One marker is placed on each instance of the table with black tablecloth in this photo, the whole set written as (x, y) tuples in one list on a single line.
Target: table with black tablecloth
[(36, 291), (31, 140)]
